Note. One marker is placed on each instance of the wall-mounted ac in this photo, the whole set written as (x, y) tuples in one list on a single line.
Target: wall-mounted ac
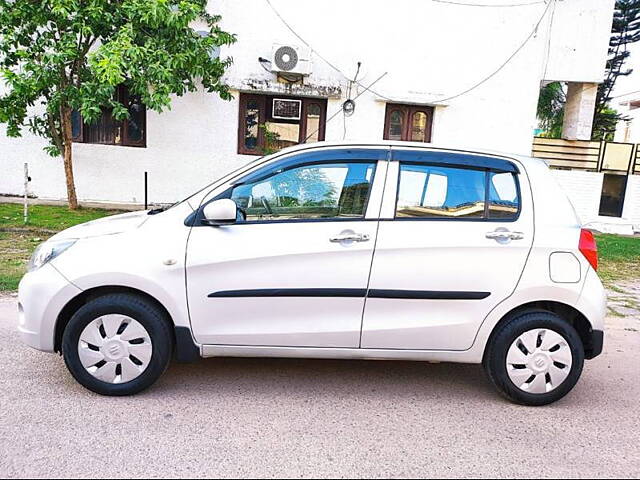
[(290, 59)]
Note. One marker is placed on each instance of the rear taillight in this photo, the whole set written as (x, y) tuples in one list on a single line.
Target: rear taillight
[(589, 248)]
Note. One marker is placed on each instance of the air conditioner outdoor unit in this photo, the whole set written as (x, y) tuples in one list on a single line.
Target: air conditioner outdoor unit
[(290, 59)]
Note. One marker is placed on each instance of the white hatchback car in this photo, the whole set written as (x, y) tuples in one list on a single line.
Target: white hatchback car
[(359, 251)]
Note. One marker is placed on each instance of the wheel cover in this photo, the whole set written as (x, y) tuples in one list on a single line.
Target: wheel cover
[(115, 348), (539, 361)]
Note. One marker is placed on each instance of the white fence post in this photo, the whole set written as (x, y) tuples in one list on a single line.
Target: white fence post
[(26, 192)]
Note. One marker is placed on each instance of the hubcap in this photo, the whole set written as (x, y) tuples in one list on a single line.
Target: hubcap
[(115, 348), (539, 360)]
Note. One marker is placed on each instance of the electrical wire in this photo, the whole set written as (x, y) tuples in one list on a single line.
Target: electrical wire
[(481, 82), (335, 114), (549, 36), (489, 5), (290, 28), (504, 64)]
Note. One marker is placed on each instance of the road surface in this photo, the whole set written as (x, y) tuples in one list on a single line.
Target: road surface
[(316, 418)]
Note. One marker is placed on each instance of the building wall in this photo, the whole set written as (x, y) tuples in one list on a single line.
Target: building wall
[(584, 190), (631, 210), (430, 51)]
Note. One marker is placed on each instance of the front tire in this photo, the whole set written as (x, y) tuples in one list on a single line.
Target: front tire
[(534, 359), (117, 344)]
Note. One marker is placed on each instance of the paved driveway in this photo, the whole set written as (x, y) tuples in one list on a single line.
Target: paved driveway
[(303, 418)]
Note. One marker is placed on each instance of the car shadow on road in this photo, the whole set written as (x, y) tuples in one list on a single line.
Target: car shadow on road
[(329, 377)]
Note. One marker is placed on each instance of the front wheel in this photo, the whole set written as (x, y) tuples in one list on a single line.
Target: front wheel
[(534, 359), (117, 344)]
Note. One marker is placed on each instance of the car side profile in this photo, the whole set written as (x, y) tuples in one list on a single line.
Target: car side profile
[(355, 251)]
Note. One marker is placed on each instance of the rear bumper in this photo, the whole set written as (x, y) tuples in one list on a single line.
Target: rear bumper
[(595, 347)]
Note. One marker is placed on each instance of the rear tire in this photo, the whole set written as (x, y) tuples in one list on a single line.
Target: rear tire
[(118, 344), (534, 359)]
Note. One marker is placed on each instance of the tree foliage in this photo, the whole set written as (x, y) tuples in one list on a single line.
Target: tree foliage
[(551, 109), (624, 31), (57, 56)]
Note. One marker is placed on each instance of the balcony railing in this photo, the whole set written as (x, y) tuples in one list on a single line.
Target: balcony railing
[(612, 157)]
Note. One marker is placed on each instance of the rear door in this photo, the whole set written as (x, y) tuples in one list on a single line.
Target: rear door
[(454, 236)]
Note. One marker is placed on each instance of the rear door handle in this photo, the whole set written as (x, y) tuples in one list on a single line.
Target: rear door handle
[(350, 237), (504, 235)]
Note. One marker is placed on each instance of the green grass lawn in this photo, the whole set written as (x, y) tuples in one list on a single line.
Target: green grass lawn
[(17, 240), (619, 256)]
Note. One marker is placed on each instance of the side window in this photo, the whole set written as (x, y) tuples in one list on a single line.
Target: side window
[(330, 190), (503, 195), (431, 191)]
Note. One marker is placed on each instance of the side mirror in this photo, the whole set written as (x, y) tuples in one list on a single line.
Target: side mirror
[(220, 212)]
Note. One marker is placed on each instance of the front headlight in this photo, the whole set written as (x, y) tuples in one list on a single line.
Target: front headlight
[(47, 251)]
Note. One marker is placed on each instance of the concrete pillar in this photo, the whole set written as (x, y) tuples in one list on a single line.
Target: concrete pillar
[(578, 111)]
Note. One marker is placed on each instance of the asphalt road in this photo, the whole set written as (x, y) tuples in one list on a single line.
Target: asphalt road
[(303, 418)]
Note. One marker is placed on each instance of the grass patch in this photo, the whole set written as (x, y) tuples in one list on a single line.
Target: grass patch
[(18, 241), (619, 257)]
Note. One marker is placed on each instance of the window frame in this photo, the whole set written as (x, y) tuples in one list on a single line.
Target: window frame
[(122, 95), (487, 178), (293, 160), (276, 170), (407, 114), (265, 105)]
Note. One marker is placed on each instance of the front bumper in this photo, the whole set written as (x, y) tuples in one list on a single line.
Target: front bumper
[(42, 295)]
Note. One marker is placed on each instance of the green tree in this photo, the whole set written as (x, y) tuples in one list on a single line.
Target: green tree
[(551, 109), (57, 56), (624, 31)]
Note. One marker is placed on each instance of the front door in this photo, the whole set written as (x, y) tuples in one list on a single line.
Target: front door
[(293, 270), (453, 240)]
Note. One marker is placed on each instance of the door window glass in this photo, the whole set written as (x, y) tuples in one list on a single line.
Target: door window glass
[(332, 190), (395, 125), (433, 191), (251, 122), (503, 195), (419, 127)]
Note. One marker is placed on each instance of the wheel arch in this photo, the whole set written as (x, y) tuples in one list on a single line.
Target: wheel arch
[(566, 312), (185, 347)]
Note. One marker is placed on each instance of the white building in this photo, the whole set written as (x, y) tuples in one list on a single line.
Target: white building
[(466, 75)]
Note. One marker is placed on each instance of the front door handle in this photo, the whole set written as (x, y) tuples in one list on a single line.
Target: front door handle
[(504, 235), (350, 237)]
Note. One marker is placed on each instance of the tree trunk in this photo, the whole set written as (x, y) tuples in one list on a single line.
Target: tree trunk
[(65, 122)]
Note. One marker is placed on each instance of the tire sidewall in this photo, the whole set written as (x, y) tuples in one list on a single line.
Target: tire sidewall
[(130, 306), (496, 363)]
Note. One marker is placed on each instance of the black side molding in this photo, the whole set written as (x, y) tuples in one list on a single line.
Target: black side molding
[(292, 292), (428, 294), (351, 292), (186, 350)]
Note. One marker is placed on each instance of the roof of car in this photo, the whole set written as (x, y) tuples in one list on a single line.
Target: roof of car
[(401, 144)]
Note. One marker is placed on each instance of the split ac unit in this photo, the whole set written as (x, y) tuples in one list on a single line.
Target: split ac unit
[(290, 59)]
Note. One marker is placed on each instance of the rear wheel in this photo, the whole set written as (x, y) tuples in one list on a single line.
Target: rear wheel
[(534, 359), (117, 344)]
